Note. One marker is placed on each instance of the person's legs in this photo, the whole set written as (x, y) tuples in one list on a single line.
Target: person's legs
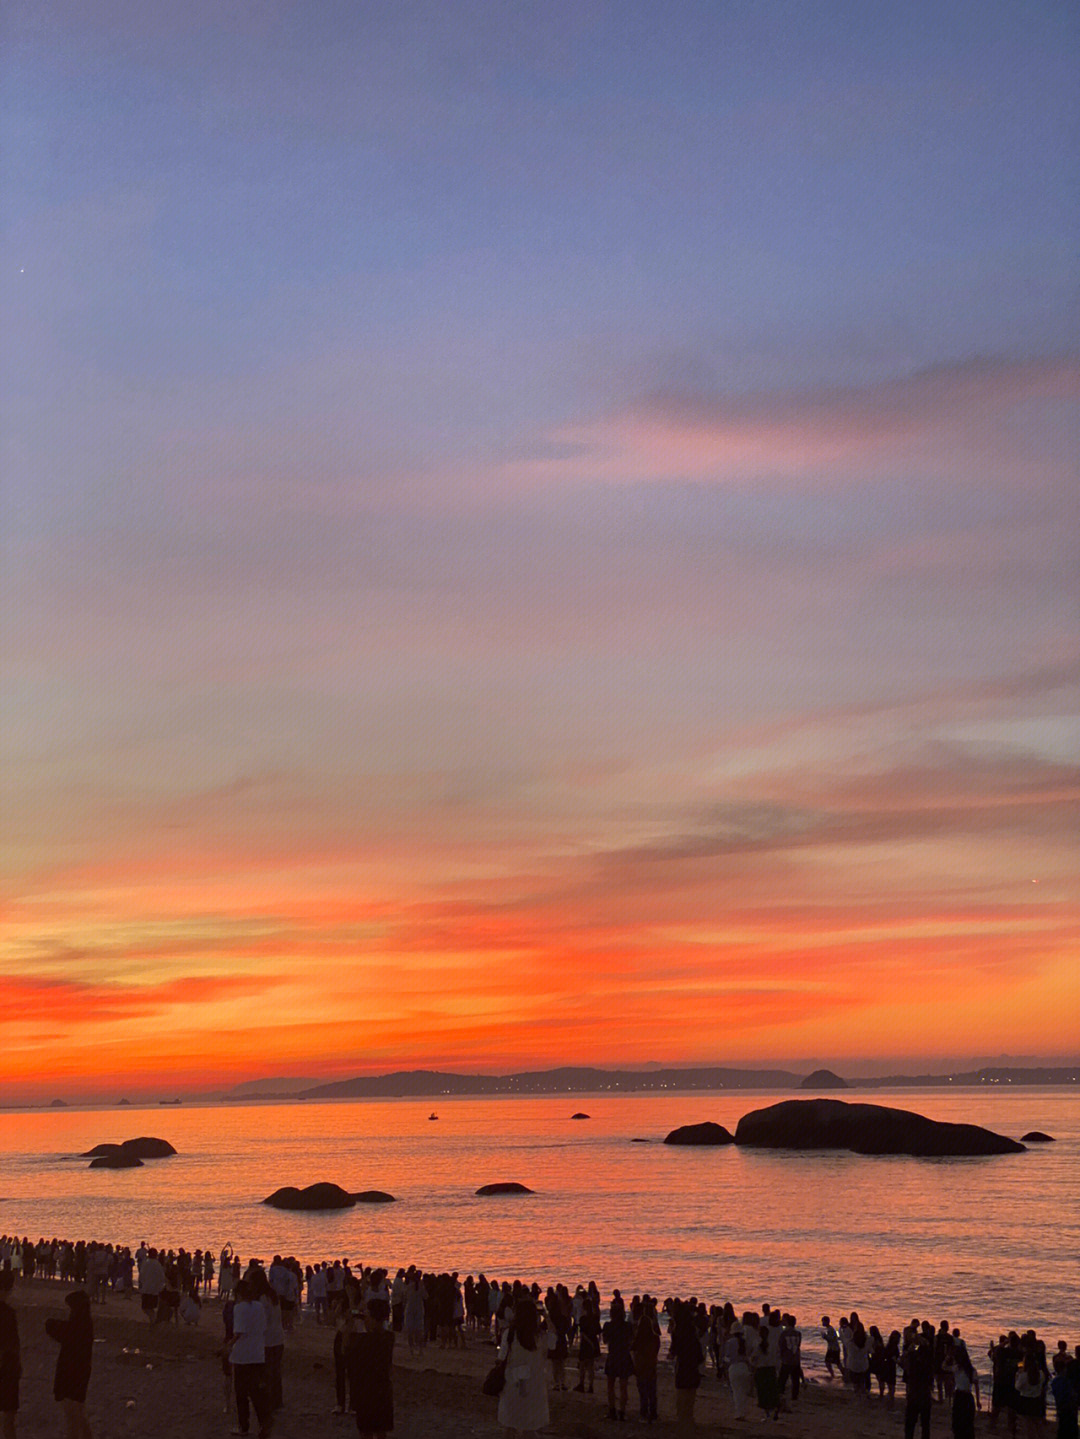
[(243, 1399), (684, 1409)]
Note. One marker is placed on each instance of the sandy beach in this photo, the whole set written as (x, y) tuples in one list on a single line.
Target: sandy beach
[(165, 1382)]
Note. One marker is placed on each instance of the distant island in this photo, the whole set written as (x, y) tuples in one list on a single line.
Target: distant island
[(428, 1082)]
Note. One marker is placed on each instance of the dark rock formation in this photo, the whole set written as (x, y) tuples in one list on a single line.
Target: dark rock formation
[(707, 1133), (142, 1148), (123, 1102), (58, 1104), (579, 1116), (511, 1188), (315, 1196), (1038, 1137), (641, 1141), (148, 1148), (374, 1196), (863, 1128), (119, 1160), (824, 1079)]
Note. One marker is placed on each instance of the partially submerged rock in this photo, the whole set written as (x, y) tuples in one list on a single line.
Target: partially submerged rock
[(145, 1147), (580, 1116), (864, 1129), (315, 1196), (701, 1134), (511, 1188), (1038, 1137), (374, 1196), (119, 1160)]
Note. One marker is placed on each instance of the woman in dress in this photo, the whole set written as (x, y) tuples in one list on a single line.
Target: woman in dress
[(523, 1403), (75, 1335), (740, 1376)]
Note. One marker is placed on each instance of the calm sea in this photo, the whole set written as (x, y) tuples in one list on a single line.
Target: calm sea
[(987, 1243)]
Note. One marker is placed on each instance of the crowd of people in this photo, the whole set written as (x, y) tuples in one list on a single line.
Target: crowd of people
[(757, 1354)]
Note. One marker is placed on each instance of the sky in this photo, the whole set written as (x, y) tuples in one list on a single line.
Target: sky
[(536, 534)]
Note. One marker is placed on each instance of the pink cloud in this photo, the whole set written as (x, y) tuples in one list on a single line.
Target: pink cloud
[(950, 417)]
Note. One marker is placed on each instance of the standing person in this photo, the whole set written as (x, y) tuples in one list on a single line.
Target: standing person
[(370, 1357), (619, 1364), (688, 1357), (273, 1346), (588, 1346), (917, 1364), (247, 1354), (740, 1376), (1030, 1398), (75, 1335), (151, 1284), (645, 1349), (10, 1358), (832, 1346), (965, 1395), (767, 1369), (523, 1403)]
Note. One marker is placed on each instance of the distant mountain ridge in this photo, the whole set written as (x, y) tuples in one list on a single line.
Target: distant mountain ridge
[(549, 1081), (576, 1079)]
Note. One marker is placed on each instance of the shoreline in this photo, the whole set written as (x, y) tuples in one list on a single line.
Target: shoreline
[(165, 1381)]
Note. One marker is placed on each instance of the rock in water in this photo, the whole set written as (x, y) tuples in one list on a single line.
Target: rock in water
[(511, 1188), (315, 1196), (119, 1160), (374, 1196), (148, 1148), (1038, 1137), (707, 1133), (824, 1079), (144, 1148), (864, 1129), (579, 1116)]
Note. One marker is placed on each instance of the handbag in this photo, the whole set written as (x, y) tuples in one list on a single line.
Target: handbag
[(495, 1382)]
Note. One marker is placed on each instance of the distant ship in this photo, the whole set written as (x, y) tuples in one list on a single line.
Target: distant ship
[(433, 1115)]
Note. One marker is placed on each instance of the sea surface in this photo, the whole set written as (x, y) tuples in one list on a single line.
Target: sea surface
[(987, 1243)]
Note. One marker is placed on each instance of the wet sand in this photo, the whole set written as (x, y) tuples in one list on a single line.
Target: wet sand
[(164, 1381)]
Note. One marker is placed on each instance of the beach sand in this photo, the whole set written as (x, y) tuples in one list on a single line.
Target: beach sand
[(164, 1381)]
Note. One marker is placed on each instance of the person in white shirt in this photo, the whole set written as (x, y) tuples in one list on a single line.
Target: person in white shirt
[(247, 1355), (151, 1284)]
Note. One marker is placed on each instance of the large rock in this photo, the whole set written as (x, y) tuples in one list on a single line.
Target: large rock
[(119, 1160), (511, 1188), (707, 1133), (315, 1196), (824, 1079), (148, 1148), (142, 1148), (863, 1128), (374, 1196), (1038, 1137)]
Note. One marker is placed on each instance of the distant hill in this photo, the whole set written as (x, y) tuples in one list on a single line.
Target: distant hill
[(550, 1081), (824, 1079)]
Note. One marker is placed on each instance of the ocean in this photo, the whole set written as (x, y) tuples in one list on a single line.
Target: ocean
[(987, 1243)]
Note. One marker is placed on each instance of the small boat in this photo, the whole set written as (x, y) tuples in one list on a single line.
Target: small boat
[(433, 1115)]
